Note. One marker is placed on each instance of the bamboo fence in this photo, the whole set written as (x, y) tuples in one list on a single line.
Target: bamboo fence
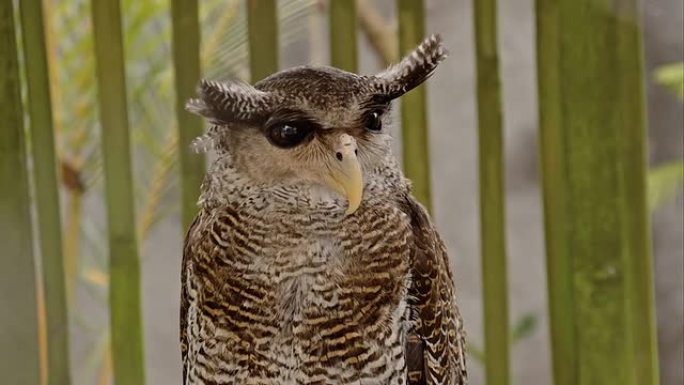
[(592, 155)]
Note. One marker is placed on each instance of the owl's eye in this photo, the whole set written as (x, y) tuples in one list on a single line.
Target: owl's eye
[(373, 121), (288, 135)]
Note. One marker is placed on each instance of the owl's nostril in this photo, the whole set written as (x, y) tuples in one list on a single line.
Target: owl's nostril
[(356, 152), (339, 156)]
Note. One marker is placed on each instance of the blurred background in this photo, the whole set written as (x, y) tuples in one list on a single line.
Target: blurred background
[(303, 34)]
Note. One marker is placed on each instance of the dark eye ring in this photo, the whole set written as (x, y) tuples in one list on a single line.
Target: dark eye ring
[(288, 134), (373, 121)]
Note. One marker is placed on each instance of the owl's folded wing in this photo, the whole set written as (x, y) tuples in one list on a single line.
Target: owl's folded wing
[(436, 345), (188, 249)]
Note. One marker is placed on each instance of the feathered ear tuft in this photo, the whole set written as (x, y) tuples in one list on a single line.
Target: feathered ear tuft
[(412, 70), (227, 103)]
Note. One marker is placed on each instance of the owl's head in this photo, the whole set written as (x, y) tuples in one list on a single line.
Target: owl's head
[(317, 125)]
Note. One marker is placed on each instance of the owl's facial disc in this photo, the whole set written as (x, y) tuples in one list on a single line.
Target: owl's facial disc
[(303, 111), (344, 175)]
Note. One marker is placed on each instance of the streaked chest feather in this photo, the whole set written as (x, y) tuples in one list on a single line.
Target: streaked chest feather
[(287, 298)]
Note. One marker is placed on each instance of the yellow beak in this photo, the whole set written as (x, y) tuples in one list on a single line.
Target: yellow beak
[(345, 174)]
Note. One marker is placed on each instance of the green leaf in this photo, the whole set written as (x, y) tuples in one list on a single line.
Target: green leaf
[(524, 327), (672, 77), (475, 352), (664, 183)]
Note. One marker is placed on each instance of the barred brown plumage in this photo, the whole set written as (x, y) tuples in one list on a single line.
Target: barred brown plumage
[(284, 281)]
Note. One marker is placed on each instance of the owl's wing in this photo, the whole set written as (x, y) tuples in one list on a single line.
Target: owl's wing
[(190, 239), (436, 346)]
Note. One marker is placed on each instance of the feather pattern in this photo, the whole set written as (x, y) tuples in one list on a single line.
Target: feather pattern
[(440, 344), (224, 103), (280, 285), (412, 70), (281, 288)]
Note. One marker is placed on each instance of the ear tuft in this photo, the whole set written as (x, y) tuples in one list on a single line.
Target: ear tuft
[(224, 103), (197, 107), (412, 70)]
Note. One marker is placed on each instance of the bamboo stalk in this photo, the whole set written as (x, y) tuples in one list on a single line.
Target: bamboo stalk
[(262, 31), (343, 34), (186, 64), (51, 52), (414, 121), (71, 241), (597, 232), (124, 267), (492, 193), (556, 218), (19, 356), (633, 170), (46, 193)]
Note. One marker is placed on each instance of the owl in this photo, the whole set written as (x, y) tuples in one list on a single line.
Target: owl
[(309, 261)]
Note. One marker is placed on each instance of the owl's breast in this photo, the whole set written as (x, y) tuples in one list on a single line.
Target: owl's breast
[(352, 271), (303, 294)]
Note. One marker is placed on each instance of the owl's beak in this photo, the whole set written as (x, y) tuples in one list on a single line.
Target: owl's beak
[(345, 175)]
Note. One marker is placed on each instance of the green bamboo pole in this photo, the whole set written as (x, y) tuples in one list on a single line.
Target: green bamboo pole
[(186, 63), (492, 192), (593, 169), (124, 264), (556, 217), (343, 34), (262, 30), (414, 124), (633, 170), (19, 355), (46, 192)]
